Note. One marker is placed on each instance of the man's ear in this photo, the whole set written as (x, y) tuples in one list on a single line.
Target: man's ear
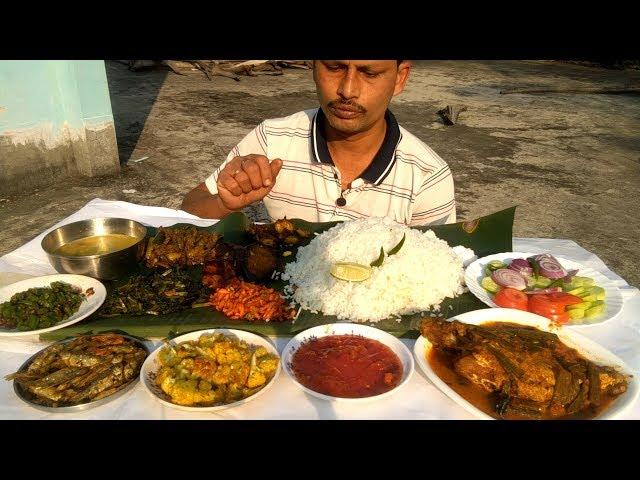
[(401, 77)]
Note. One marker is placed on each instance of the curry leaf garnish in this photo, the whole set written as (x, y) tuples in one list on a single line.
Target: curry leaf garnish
[(397, 248), (378, 262)]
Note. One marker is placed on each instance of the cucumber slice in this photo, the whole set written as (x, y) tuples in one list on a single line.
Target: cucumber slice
[(494, 265), (594, 311), (584, 281), (595, 290), (599, 292), (497, 264), (489, 285), (580, 306), (576, 314), (576, 291), (576, 282), (542, 282)]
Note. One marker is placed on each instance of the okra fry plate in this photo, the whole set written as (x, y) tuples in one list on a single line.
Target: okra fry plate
[(90, 304)]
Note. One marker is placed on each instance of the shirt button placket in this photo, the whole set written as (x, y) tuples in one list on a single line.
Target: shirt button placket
[(340, 200)]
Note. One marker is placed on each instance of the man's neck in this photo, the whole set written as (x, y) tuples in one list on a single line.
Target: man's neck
[(352, 153)]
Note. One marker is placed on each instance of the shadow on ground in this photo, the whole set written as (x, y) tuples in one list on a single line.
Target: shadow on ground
[(132, 98)]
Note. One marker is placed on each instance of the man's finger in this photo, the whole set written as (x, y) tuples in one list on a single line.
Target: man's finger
[(228, 182), (251, 169), (234, 166), (265, 172), (276, 166), (243, 180)]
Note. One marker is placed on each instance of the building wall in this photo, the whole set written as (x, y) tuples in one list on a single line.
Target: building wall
[(55, 122)]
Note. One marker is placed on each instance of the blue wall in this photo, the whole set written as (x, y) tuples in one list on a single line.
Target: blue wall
[(55, 122), (52, 93)]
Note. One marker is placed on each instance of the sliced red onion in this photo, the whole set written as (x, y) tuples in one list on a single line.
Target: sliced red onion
[(507, 278), (550, 267), (521, 266), (570, 275), (519, 262), (544, 291)]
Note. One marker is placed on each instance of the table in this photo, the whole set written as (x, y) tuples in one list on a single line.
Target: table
[(418, 399)]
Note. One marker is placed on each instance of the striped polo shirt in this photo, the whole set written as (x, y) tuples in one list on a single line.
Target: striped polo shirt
[(406, 181)]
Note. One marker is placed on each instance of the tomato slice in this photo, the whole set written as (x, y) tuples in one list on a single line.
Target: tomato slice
[(564, 298), (543, 305), (559, 318), (511, 298), (551, 306)]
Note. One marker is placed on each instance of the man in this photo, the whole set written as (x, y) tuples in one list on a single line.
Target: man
[(346, 160)]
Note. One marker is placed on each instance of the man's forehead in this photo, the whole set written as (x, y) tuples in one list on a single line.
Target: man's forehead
[(364, 63)]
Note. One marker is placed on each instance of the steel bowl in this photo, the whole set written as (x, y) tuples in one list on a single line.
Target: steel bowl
[(28, 398), (107, 266)]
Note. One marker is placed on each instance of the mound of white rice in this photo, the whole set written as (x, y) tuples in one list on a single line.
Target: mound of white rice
[(417, 278)]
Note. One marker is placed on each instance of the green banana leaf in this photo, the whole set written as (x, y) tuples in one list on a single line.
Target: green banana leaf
[(487, 235)]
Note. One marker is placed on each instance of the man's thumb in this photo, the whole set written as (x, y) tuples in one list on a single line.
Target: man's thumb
[(275, 165)]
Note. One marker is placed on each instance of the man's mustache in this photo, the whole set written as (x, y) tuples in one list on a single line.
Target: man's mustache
[(347, 105)]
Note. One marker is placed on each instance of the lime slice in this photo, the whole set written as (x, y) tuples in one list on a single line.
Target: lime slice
[(351, 272)]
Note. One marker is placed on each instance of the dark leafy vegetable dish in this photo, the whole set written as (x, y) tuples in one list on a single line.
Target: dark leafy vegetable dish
[(513, 371), (156, 292)]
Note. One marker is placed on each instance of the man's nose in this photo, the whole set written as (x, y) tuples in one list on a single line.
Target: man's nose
[(349, 85)]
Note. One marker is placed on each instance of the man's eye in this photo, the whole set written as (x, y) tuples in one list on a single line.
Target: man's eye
[(333, 68), (372, 74)]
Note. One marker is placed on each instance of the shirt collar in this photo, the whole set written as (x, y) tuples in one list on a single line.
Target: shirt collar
[(381, 165)]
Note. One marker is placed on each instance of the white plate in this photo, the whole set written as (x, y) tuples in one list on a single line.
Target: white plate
[(586, 347), (387, 339), (87, 307), (151, 366), (613, 302)]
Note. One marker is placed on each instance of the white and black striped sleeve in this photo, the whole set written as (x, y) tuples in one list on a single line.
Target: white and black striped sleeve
[(435, 202)]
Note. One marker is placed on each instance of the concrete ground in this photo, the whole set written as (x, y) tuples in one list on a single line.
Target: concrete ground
[(571, 162)]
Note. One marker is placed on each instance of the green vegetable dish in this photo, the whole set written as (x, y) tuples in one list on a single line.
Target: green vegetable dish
[(40, 307)]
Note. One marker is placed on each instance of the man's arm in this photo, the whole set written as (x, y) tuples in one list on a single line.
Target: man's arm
[(202, 203)]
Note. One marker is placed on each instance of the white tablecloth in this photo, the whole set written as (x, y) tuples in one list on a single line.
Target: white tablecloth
[(418, 399)]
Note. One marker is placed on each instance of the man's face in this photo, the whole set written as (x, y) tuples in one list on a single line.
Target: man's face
[(354, 94)]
